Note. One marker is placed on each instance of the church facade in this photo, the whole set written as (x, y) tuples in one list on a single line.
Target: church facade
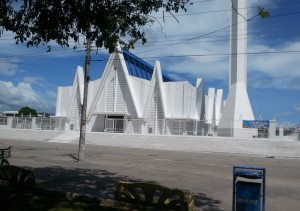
[(134, 97)]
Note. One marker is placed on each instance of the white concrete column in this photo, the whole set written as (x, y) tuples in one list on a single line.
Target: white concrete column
[(33, 123), (272, 129), (238, 43), (9, 122), (281, 132), (238, 106)]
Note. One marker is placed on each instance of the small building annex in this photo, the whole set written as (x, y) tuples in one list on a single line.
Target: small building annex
[(134, 97)]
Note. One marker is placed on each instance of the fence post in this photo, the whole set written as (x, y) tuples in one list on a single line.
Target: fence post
[(10, 122), (41, 123), (33, 123), (50, 125), (179, 127)]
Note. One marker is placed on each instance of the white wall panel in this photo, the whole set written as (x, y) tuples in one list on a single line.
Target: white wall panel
[(210, 105), (218, 105), (110, 84), (63, 100), (141, 89)]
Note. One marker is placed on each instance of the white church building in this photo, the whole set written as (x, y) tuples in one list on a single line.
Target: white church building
[(134, 97)]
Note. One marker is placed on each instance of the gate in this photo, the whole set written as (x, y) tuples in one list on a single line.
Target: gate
[(114, 125)]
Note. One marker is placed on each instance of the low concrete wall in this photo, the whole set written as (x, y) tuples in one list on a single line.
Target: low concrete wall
[(210, 144), (31, 135), (245, 146)]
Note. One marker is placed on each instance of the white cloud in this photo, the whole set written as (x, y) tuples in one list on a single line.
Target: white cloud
[(282, 70), (297, 108), (35, 80), (8, 69), (294, 111), (14, 97)]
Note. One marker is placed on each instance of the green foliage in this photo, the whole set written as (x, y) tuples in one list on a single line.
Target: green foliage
[(38, 22), (262, 13), (28, 111)]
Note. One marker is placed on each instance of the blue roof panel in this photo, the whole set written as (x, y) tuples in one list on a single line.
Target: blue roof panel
[(139, 68)]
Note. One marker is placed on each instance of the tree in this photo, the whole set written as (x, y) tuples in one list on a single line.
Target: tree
[(103, 23), (28, 111)]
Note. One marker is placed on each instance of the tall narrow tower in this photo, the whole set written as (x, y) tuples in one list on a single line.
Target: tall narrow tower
[(237, 107)]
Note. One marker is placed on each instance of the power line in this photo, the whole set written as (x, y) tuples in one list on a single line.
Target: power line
[(250, 34), (166, 45), (211, 55), (188, 55), (209, 39), (36, 54), (212, 32), (225, 54), (253, 36), (226, 10)]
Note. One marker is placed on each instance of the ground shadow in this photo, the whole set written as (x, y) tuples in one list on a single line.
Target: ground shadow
[(205, 203), (99, 183)]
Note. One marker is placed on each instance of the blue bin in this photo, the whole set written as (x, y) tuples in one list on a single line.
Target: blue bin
[(248, 194)]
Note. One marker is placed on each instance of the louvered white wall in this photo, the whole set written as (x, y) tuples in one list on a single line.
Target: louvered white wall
[(155, 118), (116, 88), (110, 94), (75, 114), (159, 113), (120, 92), (151, 115)]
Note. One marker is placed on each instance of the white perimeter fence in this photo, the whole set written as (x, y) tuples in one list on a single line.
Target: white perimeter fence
[(154, 127), (37, 123), (187, 127)]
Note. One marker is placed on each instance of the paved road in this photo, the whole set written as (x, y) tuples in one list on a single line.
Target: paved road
[(208, 175)]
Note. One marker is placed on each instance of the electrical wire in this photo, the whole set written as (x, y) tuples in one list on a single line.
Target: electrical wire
[(13, 57)]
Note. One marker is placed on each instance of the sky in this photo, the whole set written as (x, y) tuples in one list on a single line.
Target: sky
[(195, 46)]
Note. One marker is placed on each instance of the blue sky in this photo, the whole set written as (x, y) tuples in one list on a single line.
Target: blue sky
[(195, 47)]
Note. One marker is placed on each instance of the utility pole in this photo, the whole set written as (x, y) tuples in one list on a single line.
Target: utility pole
[(84, 104)]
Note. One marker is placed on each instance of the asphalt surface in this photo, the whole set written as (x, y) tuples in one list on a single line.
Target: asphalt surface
[(208, 175)]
